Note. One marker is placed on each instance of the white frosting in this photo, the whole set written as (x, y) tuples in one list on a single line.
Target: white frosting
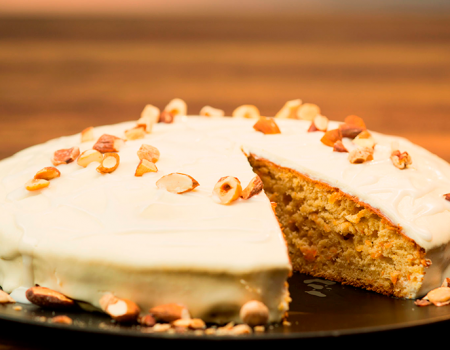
[(121, 220)]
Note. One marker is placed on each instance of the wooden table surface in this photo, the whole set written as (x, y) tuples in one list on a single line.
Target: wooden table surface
[(58, 76)]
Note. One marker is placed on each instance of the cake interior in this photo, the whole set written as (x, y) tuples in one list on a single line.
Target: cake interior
[(332, 235)]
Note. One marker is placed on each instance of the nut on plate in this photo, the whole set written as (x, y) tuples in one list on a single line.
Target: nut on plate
[(121, 310), (65, 156), (5, 298), (108, 143), (254, 187), (227, 189), (177, 183), (267, 126), (170, 312), (110, 163), (254, 313), (246, 111), (89, 156), (45, 297)]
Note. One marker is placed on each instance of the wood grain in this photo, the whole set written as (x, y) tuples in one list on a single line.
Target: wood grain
[(61, 75)]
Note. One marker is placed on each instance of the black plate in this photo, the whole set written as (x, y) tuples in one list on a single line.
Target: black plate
[(319, 310)]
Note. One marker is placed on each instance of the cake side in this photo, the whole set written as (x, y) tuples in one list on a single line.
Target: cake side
[(332, 235)]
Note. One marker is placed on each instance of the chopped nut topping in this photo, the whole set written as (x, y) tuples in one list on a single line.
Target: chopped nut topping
[(121, 310), (5, 298), (352, 127), (108, 143), (36, 184), (208, 111), (331, 136), (360, 155), (166, 117), (364, 139), (170, 312), (319, 123), (401, 160), (176, 107), (63, 319), (144, 167), (227, 189), (87, 134), (267, 125), (253, 188), (135, 133), (446, 282), (308, 111), (109, 163), (149, 117), (89, 156), (447, 196), (49, 298), (254, 313), (65, 156), (177, 183), (148, 152), (289, 110), (339, 147), (47, 173), (246, 111)]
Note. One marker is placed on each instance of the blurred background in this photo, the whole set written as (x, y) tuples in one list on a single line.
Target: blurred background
[(66, 65)]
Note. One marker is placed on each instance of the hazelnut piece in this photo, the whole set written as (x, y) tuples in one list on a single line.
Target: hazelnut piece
[(364, 139), (401, 160), (308, 111), (47, 173), (109, 163), (121, 310), (108, 143), (87, 134), (149, 116), (253, 188), (144, 167), (289, 110), (331, 136), (65, 156), (360, 155), (227, 189), (176, 107), (148, 152), (89, 156), (267, 125), (170, 312), (246, 111), (37, 184), (135, 133), (319, 123), (208, 111)]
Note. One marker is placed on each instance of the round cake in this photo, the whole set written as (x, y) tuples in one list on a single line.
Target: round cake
[(170, 209)]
